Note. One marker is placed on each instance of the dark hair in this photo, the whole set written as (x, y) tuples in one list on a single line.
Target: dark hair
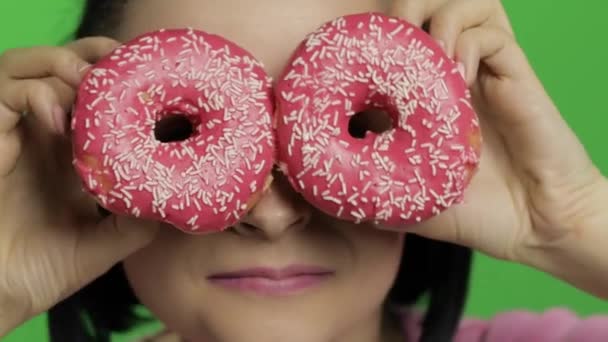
[(429, 268)]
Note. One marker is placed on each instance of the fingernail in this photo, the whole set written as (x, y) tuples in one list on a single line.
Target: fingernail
[(441, 44), (461, 69), (83, 67), (59, 119), (80, 69)]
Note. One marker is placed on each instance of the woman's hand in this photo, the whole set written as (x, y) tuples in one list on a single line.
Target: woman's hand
[(537, 192), (52, 239)]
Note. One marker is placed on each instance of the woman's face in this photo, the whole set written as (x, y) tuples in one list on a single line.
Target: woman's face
[(356, 264)]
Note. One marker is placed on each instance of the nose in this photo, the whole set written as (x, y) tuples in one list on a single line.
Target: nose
[(279, 211)]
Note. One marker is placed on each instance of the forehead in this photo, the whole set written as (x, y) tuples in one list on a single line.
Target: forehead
[(269, 29)]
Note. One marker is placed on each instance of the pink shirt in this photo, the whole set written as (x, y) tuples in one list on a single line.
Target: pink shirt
[(555, 325)]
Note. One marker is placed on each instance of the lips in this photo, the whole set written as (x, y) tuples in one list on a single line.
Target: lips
[(272, 281), (274, 273)]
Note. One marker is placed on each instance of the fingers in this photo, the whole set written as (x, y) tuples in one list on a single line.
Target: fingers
[(456, 16), (8, 118), (414, 11), (41, 80), (67, 63), (495, 49), (31, 96), (39, 62), (10, 149), (110, 241), (449, 18), (92, 49), (65, 93)]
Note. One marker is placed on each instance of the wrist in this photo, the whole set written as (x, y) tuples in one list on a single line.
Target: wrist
[(11, 314), (14, 310), (581, 256)]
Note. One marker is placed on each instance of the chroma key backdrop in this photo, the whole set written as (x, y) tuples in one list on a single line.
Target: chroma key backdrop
[(567, 45)]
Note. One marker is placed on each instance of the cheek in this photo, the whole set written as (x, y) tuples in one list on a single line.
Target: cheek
[(375, 263), (378, 256), (376, 253), (159, 275)]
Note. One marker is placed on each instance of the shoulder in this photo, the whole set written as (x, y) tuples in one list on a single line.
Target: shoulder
[(557, 324)]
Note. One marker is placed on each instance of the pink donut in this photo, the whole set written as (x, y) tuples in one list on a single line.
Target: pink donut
[(401, 176), (211, 88)]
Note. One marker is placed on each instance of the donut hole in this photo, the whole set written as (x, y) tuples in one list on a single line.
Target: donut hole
[(373, 120), (173, 128)]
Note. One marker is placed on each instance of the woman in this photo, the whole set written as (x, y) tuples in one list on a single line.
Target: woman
[(537, 199)]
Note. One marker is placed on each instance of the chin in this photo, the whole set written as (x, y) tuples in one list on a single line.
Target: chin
[(262, 329), (266, 323), (267, 331)]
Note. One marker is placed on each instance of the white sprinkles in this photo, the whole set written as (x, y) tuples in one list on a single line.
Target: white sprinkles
[(199, 184), (404, 175)]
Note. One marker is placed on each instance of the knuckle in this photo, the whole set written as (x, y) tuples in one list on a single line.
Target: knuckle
[(37, 87), (11, 54), (462, 46), (500, 34), (500, 31), (467, 37), (10, 146), (509, 39), (443, 16), (95, 46), (105, 42), (62, 59), (441, 22), (34, 92)]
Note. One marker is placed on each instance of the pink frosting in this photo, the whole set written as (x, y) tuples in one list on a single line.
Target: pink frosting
[(201, 184), (404, 175)]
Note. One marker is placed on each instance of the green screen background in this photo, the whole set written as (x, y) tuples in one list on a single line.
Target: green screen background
[(567, 45)]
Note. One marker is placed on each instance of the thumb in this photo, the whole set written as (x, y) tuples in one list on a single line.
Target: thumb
[(108, 242)]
